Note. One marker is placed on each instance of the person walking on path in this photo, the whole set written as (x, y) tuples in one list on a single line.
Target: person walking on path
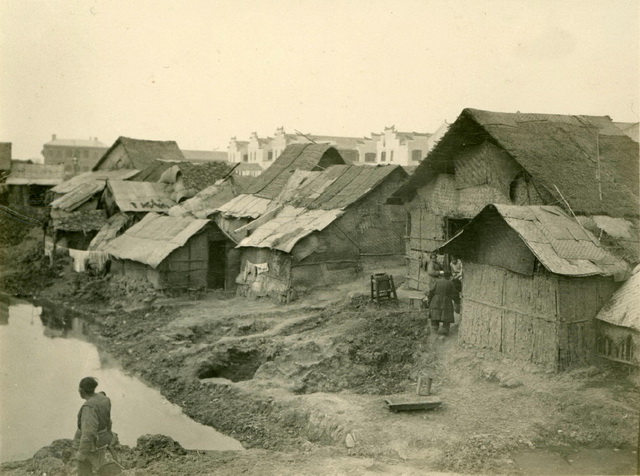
[(93, 436), (443, 300)]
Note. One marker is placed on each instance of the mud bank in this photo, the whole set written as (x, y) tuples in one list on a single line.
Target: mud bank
[(303, 385)]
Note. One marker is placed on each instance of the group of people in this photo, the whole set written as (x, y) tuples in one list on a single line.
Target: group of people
[(443, 296)]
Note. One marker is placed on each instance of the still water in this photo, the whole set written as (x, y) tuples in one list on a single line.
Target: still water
[(40, 367)]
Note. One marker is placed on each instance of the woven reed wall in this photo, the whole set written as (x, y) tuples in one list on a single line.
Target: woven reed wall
[(511, 313)]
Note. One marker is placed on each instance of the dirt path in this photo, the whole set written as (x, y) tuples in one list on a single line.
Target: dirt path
[(303, 386)]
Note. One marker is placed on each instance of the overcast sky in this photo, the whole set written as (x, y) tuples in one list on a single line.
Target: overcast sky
[(199, 72)]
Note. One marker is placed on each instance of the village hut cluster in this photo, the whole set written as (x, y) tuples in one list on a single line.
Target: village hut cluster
[(542, 209)]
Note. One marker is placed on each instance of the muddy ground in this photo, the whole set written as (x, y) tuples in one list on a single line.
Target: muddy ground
[(303, 385)]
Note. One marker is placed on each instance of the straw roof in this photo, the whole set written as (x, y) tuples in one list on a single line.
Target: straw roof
[(83, 220), (564, 151), (154, 238), (143, 153), (623, 309), (195, 176), (559, 242)]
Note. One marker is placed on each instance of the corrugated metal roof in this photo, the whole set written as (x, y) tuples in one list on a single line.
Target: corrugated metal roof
[(623, 309), (295, 156), (35, 174), (558, 241), (153, 238), (206, 202), (141, 196), (245, 206), (339, 186), (98, 176), (288, 227), (109, 231), (80, 194)]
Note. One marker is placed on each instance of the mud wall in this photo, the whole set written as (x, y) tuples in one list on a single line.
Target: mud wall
[(483, 174), (136, 271), (264, 272)]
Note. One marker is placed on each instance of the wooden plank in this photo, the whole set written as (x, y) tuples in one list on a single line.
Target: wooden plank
[(421, 403)]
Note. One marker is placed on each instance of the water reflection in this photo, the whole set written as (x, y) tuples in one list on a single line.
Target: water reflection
[(43, 356)]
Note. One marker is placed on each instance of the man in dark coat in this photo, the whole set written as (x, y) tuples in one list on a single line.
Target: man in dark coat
[(94, 428), (443, 298)]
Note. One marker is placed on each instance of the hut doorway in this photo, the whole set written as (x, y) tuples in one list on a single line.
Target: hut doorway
[(453, 226), (217, 265)]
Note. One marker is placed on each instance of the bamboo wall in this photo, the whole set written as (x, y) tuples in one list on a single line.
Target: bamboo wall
[(184, 268), (511, 313), (579, 300), (542, 318)]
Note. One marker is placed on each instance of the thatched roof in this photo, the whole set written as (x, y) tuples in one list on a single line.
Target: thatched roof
[(563, 151), (623, 309), (84, 220), (153, 238), (295, 156), (195, 176), (143, 153), (558, 241)]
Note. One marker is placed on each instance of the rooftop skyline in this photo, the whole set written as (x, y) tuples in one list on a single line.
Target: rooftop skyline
[(200, 72)]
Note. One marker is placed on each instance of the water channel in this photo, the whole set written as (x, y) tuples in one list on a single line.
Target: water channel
[(43, 356)]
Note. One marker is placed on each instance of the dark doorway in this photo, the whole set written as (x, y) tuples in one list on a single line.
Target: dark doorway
[(454, 226), (217, 265)]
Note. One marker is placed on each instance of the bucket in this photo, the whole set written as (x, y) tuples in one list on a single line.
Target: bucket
[(424, 385)]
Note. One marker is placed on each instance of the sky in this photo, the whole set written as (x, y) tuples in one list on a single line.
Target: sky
[(199, 72)]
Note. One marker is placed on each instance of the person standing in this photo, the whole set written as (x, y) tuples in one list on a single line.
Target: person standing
[(93, 435), (456, 272), (443, 299)]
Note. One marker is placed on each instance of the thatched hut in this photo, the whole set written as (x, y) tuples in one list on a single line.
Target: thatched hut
[(534, 280), (585, 164), (325, 227), (618, 329), (128, 153)]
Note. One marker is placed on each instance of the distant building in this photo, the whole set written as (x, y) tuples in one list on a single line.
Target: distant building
[(396, 148), (237, 151), (202, 156), (77, 155), (390, 147), (5, 157)]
